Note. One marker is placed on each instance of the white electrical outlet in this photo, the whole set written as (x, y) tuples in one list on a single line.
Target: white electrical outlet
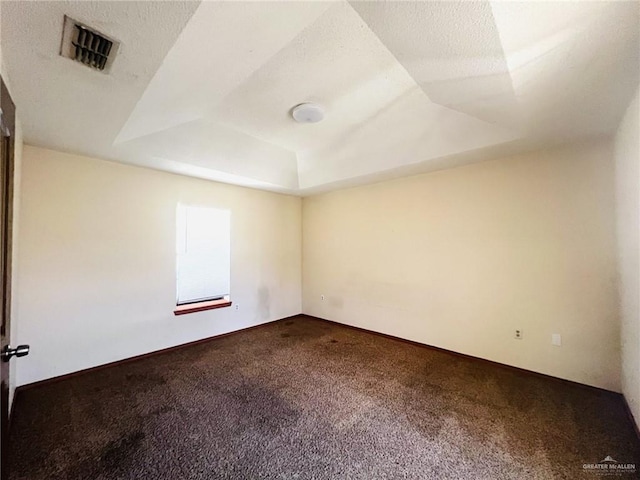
[(518, 335), (556, 339), (237, 307)]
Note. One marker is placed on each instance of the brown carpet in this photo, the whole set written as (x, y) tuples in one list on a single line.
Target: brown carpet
[(308, 399)]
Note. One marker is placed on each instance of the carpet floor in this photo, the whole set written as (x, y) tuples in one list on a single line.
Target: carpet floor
[(307, 399)]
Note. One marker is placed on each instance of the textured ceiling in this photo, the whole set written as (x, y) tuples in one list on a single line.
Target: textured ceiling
[(206, 89)]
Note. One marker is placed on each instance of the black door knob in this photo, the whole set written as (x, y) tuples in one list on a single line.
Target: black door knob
[(8, 352)]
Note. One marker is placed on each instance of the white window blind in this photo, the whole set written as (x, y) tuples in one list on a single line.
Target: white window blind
[(203, 253)]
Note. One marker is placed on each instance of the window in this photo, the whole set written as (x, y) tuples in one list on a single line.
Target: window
[(203, 244)]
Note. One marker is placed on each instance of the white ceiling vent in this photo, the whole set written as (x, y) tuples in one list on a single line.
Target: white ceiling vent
[(87, 46)]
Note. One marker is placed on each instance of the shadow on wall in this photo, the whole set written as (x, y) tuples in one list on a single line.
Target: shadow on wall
[(264, 303)]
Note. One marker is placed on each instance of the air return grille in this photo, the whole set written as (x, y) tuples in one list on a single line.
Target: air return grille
[(87, 46)]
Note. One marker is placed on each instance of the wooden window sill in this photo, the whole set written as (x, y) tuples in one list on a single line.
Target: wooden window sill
[(201, 306)]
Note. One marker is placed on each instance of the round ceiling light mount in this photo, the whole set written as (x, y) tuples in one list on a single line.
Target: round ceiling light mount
[(307, 113)]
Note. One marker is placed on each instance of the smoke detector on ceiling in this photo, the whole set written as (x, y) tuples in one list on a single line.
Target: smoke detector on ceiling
[(307, 113), (86, 45)]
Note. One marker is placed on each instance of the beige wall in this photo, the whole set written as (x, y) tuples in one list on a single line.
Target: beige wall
[(458, 259), (461, 258), (97, 261), (627, 160)]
